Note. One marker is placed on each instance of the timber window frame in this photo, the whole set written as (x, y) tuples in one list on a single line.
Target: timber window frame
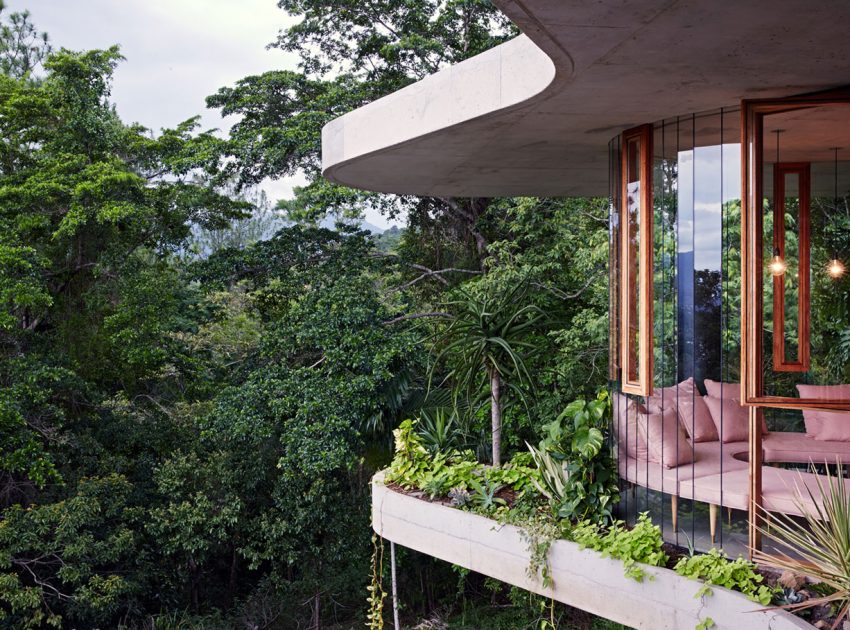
[(781, 363), (636, 259), (753, 113)]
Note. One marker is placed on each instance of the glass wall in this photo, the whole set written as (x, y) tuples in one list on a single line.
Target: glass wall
[(805, 175), (675, 460), (683, 450)]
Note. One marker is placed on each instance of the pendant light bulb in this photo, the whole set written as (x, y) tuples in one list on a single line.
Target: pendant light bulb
[(835, 268), (777, 265)]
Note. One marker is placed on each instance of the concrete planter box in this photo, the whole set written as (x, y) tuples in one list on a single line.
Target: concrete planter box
[(582, 578)]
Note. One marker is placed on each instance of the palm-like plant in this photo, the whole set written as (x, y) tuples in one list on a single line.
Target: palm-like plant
[(487, 339), (820, 543)]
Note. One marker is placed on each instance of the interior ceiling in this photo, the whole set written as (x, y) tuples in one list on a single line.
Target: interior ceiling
[(619, 64), (808, 135)]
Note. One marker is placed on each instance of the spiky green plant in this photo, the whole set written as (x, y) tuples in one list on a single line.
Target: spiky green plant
[(819, 544), (554, 477), (486, 343)]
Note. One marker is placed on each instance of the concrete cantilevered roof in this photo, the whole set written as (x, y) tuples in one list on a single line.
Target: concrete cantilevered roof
[(534, 116)]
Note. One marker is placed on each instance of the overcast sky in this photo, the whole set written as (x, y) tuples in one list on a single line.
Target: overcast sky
[(177, 53)]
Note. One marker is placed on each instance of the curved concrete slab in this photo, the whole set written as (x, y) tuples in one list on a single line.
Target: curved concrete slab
[(497, 80), (582, 578), (514, 122)]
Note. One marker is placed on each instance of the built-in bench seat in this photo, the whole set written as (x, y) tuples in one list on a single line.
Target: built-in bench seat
[(719, 474)]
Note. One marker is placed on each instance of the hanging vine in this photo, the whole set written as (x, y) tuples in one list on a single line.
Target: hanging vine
[(377, 594)]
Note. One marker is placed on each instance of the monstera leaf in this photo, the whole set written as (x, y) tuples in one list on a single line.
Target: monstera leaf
[(587, 441)]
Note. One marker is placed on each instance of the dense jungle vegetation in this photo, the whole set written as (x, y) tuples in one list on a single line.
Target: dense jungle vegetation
[(196, 385)]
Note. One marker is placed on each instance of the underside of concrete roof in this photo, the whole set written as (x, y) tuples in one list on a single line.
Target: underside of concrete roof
[(534, 116)]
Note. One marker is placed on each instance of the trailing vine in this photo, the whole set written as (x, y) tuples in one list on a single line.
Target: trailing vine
[(377, 594)]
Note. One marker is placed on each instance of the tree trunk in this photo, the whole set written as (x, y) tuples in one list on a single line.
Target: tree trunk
[(317, 618), (496, 415), (231, 582)]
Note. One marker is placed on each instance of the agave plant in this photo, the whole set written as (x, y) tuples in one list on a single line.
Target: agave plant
[(819, 543), (440, 430)]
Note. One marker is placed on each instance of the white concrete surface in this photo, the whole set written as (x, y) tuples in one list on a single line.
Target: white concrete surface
[(512, 122), (582, 578)]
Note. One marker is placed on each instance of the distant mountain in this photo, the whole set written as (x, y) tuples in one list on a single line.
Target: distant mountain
[(330, 222)]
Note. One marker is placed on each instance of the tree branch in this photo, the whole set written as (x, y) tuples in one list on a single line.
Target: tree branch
[(404, 318), (436, 274)]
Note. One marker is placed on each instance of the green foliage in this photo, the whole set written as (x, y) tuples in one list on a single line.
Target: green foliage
[(488, 333), (706, 624), (485, 499), (414, 467), (22, 47), (638, 545), (377, 595), (439, 429), (191, 406), (738, 575), (485, 345), (577, 473), (62, 558)]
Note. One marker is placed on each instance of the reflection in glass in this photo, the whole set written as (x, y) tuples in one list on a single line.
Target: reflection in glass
[(806, 310), (632, 204)]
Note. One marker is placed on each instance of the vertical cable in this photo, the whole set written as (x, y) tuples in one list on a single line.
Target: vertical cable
[(663, 225), (676, 281), (722, 318), (693, 304)]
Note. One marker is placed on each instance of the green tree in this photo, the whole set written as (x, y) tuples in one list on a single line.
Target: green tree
[(490, 336), (92, 369), (22, 47), (352, 53)]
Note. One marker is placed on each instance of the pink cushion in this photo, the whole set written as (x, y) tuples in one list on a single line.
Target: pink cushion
[(665, 438), (801, 448), (718, 389), (835, 427), (826, 425), (626, 411), (730, 419), (693, 414), (729, 489)]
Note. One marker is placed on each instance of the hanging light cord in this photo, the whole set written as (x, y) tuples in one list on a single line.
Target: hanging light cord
[(835, 191)]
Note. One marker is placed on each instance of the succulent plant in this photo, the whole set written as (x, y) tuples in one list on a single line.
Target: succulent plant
[(460, 496)]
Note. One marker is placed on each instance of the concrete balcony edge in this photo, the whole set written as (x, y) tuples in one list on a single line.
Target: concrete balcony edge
[(582, 578), (503, 78)]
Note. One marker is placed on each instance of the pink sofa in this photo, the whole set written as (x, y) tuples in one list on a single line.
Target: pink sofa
[(719, 474)]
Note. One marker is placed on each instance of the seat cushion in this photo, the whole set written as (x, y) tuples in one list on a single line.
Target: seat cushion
[(801, 448), (693, 414), (710, 458), (729, 489), (646, 474), (792, 491)]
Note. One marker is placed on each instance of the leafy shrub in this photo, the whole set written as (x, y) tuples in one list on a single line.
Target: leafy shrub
[(485, 498), (439, 430), (518, 474), (411, 461), (641, 544), (716, 568), (414, 467), (577, 473)]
